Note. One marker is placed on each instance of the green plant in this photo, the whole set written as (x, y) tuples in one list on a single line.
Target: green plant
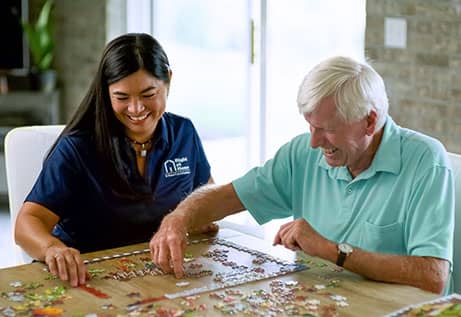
[(40, 37)]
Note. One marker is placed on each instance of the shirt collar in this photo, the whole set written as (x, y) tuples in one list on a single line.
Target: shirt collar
[(387, 157), (162, 131)]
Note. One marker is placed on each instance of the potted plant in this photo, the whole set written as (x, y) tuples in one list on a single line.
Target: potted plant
[(39, 36)]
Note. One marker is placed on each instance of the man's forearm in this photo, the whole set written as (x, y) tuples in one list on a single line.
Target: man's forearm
[(427, 273), (207, 204)]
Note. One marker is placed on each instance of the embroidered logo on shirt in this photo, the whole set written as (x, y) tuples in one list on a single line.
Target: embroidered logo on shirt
[(176, 167)]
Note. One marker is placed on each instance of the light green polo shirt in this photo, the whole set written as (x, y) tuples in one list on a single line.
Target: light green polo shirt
[(402, 204)]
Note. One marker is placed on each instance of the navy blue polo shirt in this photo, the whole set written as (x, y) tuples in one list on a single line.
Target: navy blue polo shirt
[(91, 216)]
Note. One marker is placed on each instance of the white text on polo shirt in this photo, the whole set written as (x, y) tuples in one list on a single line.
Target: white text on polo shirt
[(176, 167)]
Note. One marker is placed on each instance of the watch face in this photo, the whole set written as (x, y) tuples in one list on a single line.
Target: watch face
[(344, 247)]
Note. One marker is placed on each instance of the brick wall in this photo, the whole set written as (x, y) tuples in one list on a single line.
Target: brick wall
[(424, 79)]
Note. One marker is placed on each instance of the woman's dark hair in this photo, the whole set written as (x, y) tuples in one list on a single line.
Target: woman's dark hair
[(121, 57)]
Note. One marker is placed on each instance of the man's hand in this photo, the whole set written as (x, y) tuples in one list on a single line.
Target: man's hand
[(208, 228), (168, 245), (299, 235), (67, 264)]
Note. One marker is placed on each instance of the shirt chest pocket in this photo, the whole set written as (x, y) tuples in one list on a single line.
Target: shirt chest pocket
[(382, 238)]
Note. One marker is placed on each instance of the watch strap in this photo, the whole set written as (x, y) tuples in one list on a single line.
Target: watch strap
[(341, 258)]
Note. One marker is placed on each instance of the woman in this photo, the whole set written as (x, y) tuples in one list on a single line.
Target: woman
[(118, 167)]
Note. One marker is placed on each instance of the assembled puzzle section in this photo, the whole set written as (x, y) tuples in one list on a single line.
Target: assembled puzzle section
[(209, 264)]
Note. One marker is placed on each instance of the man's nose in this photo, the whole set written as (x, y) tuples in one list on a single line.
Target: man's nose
[(316, 137)]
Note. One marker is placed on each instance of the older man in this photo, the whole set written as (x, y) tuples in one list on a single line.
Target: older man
[(365, 193)]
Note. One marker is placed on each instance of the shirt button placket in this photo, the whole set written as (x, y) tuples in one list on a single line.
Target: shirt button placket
[(346, 205)]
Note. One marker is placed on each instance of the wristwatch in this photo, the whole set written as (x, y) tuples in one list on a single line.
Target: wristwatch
[(344, 250)]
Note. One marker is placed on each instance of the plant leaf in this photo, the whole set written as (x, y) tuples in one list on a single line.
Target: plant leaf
[(46, 60), (40, 37), (44, 16)]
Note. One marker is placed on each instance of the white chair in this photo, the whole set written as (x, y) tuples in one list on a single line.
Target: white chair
[(456, 163), (25, 150)]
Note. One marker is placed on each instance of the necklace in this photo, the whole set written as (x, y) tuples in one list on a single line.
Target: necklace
[(145, 146)]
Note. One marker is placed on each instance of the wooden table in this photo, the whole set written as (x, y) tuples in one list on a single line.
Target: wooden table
[(362, 297)]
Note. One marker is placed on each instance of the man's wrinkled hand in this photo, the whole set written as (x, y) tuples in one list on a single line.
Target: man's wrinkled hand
[(168, 245), (208, 228), (299, 235)]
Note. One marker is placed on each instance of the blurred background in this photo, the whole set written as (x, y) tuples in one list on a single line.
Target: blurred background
[(237, 65)]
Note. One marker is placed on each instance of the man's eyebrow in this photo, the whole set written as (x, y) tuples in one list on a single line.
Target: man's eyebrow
[(327, 127)]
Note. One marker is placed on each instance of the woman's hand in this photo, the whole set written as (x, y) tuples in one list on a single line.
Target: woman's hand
[(67, 264)]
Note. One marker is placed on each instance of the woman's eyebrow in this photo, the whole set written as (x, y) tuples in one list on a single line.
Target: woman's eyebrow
[(121, 93), (147, 89)]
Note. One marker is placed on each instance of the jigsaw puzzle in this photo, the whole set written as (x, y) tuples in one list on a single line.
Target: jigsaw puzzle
[(222, 278)]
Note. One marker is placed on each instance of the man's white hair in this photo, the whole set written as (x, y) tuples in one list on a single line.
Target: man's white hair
[(356, 87)]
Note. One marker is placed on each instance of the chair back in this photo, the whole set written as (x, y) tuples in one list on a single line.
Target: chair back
[(25, 150), (456, 164)]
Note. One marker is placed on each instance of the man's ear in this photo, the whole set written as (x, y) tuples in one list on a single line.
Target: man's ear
[(372, 120)]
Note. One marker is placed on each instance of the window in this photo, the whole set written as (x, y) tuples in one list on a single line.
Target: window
[(299, 36), (237, 65), (207, 43)]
